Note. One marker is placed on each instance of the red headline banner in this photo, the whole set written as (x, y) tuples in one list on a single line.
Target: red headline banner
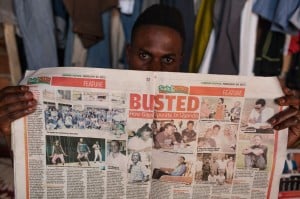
[(217, 91), (78, 82)]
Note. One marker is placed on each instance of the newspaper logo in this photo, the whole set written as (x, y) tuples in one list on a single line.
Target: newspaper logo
[(39, 80), (173, 89)]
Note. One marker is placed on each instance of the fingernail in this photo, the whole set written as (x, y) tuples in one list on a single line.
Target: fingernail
[(24, 88), (28, 95), (287, 90), (276, 127), (280, 100), (30, 110), (272, 121)]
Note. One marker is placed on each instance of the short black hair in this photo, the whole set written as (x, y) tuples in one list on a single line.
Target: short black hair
[(162, 15), (217, 126), (144, 128), (262, 102), (190, 122)]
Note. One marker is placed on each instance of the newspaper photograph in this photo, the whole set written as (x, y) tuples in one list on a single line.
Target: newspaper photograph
[(100, 133)]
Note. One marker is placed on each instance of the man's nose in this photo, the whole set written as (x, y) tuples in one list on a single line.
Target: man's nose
[(155, 65)]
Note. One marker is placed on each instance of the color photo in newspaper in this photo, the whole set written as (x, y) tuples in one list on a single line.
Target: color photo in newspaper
[(101, 133)]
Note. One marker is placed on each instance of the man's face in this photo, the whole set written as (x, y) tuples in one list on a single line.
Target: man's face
[(114, 147), (170, 130), (216, 130), (180, 160), (155, 48), (190, 126), (237, 104), (146, 135), (135, 157), (257, 140), (258, 108)]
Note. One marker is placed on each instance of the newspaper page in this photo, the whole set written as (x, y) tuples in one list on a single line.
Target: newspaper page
[(101, 133)]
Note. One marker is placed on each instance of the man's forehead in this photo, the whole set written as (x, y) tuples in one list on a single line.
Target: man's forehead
[(153, 28)]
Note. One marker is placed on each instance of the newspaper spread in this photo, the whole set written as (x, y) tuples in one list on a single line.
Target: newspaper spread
[(101, 133)]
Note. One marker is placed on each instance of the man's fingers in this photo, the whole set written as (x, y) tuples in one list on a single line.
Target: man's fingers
[(23, 106), (11, 98), (12, 91), (8, 118), (283, 115), (292, 121), (288, 100)]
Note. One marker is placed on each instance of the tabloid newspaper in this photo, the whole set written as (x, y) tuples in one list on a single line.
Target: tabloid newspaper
[(103, 133)]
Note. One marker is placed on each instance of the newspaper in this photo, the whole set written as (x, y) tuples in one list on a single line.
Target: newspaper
[(90, 137)]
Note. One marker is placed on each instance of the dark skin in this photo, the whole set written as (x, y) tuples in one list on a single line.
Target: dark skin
[(154, 48), (290, 117)]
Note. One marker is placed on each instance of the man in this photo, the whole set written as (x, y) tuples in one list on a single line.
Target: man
[(260, 114), (115, 159), (156, 45), (230, 169), (198, 167), (212, 178), (290, 165), (222, 165), (235, 112), (256, 155), (214, 166), (220, 178), (188, 134), (57, 153), (216, 134), (166, 138), (97, 152), (157, 40), (138, 172), (83, 151), (179, 170), (206, 170)]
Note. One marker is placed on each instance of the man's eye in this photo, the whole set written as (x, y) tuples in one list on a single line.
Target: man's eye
[(144, 56), (167, 60)]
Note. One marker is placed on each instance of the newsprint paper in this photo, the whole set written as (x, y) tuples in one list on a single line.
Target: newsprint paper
[(103, 133)]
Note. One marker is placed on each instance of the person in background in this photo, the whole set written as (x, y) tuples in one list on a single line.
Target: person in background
[(220, 109), (235, 112), (189, 134), (97, 152), (142, 141), (256, 154), (137, 171), (179, 170), (83, 151), (260, 114), (116, 159), (166, 138), (57, 153), (290, 165)]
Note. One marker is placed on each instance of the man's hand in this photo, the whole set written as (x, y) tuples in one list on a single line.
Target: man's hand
[(290, 117), (15, 102)]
